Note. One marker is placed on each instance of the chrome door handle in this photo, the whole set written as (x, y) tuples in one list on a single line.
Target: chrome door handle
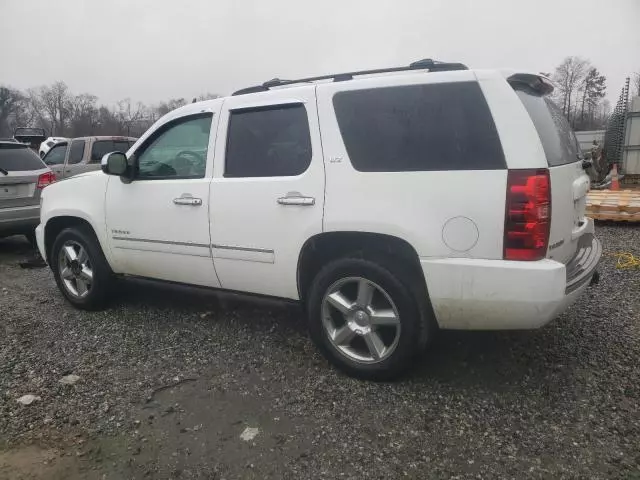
[(295, 198), (192, 201)]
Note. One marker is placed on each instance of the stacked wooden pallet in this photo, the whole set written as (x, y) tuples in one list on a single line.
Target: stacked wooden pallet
[(617, 205)]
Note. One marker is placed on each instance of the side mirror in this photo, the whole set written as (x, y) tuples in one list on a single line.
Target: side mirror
[(115, 163)]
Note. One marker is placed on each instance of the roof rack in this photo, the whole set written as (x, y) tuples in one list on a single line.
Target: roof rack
[(424, 64)]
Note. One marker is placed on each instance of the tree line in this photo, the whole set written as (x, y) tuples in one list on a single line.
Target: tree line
[(65, 114), (580, 93)]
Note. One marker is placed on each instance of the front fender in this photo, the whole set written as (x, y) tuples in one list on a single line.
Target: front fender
[(81, 198)]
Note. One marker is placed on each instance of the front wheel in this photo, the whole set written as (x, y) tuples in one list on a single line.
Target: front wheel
[(365, 319), (80, 269)]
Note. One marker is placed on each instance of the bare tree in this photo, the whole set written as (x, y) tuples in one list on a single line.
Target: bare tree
[(592, 91), (56, 109), (165, 107), (569, 76), (636, 84), (84, 115), (53, 105), (129, 114)]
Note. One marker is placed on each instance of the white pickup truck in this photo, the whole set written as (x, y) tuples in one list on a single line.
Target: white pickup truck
[(389, 205)]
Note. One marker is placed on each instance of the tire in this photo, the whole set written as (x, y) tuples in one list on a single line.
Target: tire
[(97, 291), (393, 296)]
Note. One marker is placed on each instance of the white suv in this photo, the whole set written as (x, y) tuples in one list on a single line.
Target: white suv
[(391, 203)]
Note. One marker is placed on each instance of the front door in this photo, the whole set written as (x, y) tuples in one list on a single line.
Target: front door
[(55, 159), (159, 223), (267, 194)]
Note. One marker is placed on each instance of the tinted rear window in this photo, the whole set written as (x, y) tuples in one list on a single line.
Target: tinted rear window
[(446, 126), (18, 158), (268, 142), (557, 138), (102, 147)]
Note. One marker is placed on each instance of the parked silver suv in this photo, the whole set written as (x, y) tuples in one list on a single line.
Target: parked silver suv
[(22, 177), (83, 154)]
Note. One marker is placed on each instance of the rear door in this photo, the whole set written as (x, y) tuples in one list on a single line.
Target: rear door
[(20, 168), (267, 194), (569, 182)]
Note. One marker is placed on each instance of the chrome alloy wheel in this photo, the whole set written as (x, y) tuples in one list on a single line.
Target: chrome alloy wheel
[(361, 320), (75, 269)]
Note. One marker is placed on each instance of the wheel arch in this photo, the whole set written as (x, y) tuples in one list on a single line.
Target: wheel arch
[(56, 224), (326, 246)]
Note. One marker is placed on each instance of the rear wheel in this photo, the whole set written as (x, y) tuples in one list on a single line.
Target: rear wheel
[(80, 269), (365, 319)]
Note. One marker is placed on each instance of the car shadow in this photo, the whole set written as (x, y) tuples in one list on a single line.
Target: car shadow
[(14, 246), (245, 309), (493, 360), (16, 249)]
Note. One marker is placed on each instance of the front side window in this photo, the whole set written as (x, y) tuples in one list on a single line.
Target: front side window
[(268, 142), (76, 152), (177, 150), (56, 155), (439, 126), (102, 147)]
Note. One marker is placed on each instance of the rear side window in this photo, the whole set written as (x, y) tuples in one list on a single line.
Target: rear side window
[(445, 126), (102, 147), (76, 152), (268, 142), (19, 158), (558, 140)]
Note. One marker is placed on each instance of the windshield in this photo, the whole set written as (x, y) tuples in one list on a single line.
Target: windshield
[(19, 158)]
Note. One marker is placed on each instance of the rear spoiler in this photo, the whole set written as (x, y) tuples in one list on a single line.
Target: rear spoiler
[(539, 83)]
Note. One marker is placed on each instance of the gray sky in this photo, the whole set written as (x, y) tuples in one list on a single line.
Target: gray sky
[(153, 50)]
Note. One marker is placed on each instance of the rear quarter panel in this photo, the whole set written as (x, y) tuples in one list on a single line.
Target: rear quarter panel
[(424, 208)]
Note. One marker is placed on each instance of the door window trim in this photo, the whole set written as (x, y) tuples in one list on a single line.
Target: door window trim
[(133, 159)]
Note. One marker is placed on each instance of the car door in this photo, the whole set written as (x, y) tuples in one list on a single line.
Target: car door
[(267, 194), (73, 164), (158, 223), (55, 159)]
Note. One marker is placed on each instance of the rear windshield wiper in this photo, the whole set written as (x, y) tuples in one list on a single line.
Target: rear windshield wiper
[(2, 170)]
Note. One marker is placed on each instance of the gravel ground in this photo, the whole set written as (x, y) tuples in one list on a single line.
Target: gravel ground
[(170, 378)]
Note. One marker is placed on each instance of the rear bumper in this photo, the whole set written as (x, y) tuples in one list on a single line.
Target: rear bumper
[(474, 294), (15, 220)]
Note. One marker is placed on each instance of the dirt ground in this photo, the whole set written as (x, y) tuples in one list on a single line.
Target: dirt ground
[(182, 383)]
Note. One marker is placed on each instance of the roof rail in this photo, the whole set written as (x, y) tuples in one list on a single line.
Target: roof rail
[(424, 64)]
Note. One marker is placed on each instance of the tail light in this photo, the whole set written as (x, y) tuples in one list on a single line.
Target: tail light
[(528, 215), (45, 179)]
